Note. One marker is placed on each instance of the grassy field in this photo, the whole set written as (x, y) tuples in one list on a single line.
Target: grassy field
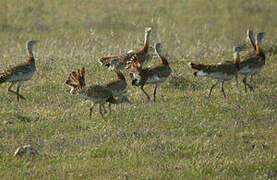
[(184, 135)]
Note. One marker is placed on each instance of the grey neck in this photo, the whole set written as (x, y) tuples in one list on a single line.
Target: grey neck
[(30, 50), (159, 51), (146, 39)]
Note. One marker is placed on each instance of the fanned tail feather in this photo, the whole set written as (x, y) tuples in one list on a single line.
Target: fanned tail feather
[(104, 60), (4, 77)]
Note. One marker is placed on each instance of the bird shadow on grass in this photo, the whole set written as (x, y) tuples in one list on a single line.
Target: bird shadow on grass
[(182, 83), (22, 118)]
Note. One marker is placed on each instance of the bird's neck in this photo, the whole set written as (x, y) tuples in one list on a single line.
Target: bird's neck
[(146, 41), (119, 75), (30, 54), (163, 60), (236, 59), (252, 40), (259, 50)]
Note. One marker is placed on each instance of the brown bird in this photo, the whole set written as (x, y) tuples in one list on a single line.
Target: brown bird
[(252, 52), (251, 39), (222, 72), (253, 63), (121, 61), (96, 93), (118, 86), (155, 75), (20, 73)]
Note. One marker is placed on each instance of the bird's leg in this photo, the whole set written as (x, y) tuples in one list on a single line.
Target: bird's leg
[(246, 84), (20, 83), (110, 107), (155, 90), (100, 110), (251, 78), (222, 89), (11, 91), (148, 97), (90, 110), (250, 86), (213, 86), (237, 81), (10, 87), (105, 111)]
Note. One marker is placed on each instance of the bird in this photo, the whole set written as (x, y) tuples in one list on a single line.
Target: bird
[(155, 75), (250, 37), (252, 52), (121, 61), (222, 72), (21, 72), (253, 63), (118, 86), (98, 94)]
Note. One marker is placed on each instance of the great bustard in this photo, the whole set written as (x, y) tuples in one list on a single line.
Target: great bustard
[(117, 86), (222, 72), (120, 62), (155, 75), (253, 63), (20, 73), (96, 93), (252, 52)]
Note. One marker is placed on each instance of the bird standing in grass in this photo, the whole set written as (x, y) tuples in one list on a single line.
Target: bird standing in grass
[(253, 63), (252, 52), (20, 73), (121, 61), (155, 75), (96, 93), (251, 39), (222, 72)]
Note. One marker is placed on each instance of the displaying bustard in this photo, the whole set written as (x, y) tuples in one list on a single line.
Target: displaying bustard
[(96, 93), (253, 63), (222, 72), (121, 61), (20, 73), (155, 75)]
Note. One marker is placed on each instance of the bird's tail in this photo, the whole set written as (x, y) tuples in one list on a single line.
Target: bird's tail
[(4, 77), (76, 79), (105, 61)]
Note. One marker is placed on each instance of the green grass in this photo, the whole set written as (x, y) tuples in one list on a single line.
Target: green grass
[(184, 135)]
